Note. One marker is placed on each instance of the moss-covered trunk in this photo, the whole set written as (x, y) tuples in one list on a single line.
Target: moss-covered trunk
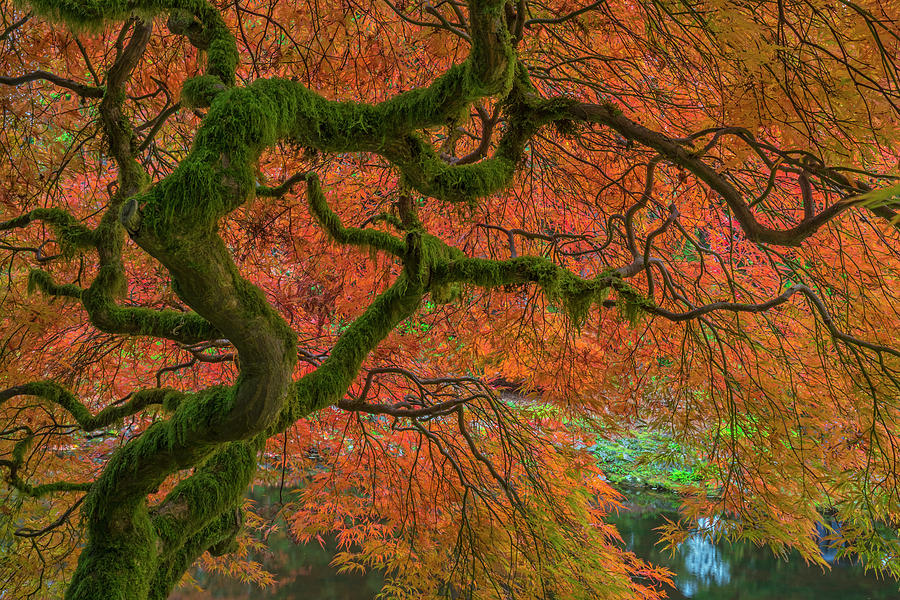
[(137, 551)]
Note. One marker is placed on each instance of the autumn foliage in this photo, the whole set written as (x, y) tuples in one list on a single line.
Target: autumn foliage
[(411, 259)]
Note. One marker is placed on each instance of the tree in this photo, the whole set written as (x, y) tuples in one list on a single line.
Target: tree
[(324, 235)]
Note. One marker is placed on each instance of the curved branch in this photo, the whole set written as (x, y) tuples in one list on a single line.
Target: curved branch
[(565, 17), (331, 222), (71, 234), (31, 533), (783, 297), (83, 90), (329, 382), (282, 188), (677, 154), (54, 393)]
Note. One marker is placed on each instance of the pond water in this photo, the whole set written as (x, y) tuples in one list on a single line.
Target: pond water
[(703, 571), (707, 571)]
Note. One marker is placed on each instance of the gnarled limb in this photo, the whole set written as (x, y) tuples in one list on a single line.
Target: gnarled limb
[(331, 222), (329, 382)]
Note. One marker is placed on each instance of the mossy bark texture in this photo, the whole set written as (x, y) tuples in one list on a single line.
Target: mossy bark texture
[(135, 551)]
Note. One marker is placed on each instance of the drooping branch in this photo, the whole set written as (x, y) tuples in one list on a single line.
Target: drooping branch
[(17, 460), (98, 300), (43, 489), (820, 308), (676, 153), (109, 317)]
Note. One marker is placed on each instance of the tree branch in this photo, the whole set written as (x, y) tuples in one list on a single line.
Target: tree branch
[(83, 90), (328, 219), (54, 393)]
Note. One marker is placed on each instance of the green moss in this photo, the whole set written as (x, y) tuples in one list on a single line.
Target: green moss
[(216, 487), (431, 106), (197, 19), (21, 447), (118, 558), (53, 393), (108, 316), (222, 56), (427, 172), (574, 295), (71, 235), (141, 465), (631, 304), (200, 91), (331, 223), (254, 304), (43, 281), (46, 489), (218, 537)]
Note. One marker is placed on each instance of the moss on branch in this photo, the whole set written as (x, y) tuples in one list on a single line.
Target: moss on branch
[(41, 280), (331, 222), (216, 486), (575, 295), (71, 235), (54, 393), (148, 552), (105, 314), (46, 489), (424, 170), (218, 175), (120, 556)]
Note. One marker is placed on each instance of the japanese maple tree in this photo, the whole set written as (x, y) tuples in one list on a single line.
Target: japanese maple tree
[(319, 237)]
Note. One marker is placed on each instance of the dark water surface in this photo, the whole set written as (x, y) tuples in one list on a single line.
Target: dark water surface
[(703, 571), (706, 571)]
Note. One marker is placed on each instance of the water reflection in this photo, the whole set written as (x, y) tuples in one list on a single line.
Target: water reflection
[(300, 572), (703, 571), (829, 552), (725, 571), (704, 565)]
